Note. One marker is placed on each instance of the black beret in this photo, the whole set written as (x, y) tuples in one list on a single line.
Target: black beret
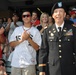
[(58, 5)]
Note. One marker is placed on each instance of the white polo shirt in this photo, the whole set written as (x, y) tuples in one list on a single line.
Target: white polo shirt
[(24, 54)]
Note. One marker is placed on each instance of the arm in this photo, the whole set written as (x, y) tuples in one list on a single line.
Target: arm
[(8, 25), (74, 37), (25, 36), (33, 44), (2, 30), (43, 28), (43, 54), (5, 73), (15, 43)]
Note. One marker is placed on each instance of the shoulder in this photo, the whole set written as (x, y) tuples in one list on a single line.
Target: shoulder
[(50, 27), (38, 21), (18, 28), (74, 25), (20, 23), (21, 26), (39, 27), (34, 30), (71, 26), (12, 23), (68, 24)]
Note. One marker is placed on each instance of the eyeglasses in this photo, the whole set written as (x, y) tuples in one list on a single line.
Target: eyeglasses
[(26, 15), (2, 64)]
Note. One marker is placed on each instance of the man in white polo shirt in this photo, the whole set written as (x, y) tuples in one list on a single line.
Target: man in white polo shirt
[(26, 40)]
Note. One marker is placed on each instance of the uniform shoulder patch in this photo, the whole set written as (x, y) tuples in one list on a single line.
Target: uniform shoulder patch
[(74, 25)]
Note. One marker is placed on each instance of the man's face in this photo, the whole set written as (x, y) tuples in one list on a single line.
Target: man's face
[(26, 17), (15, 18), (74, 15), (34, 16), (67, 17), (59, 15)]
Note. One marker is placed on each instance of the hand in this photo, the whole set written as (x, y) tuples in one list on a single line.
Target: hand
[(5, 73), (45, 27), (25, 35), (9, 22), (42, 73), (2, 30)]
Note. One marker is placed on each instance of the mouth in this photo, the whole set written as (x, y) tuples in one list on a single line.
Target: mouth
[(58, 17)]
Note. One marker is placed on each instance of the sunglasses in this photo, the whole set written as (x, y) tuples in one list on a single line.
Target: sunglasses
[(26, 16), (2, 64)]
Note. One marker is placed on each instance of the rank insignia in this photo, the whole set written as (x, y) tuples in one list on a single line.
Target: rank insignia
[(54, 31), (52, 34), (53, 28), (70, 32), (49, 31), (64, 30)]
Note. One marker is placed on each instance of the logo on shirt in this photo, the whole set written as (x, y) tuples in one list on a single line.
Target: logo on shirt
[(18, 37)]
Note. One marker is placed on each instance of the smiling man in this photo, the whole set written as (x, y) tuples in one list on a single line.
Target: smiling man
[(26, 40), (58, 45)]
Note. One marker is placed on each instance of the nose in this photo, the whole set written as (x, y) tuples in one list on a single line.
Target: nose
[(58, 12)]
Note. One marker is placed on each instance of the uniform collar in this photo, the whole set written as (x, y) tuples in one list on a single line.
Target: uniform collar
[(62, 25)]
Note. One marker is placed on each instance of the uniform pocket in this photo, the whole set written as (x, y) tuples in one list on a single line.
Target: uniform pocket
[(52, 62)]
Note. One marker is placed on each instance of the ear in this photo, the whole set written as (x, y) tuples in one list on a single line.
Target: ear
[(64, 14), (52, 16)]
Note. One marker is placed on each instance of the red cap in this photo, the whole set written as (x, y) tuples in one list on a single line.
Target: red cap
[(72, 12)]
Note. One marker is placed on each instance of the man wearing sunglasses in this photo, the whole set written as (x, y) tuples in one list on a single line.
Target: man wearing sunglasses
[(2, 67), (25, 40)]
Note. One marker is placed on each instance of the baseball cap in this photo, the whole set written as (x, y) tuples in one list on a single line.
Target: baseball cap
[(72, 12)]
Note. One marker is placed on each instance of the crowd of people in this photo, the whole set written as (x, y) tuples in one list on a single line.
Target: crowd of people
[(39, 46)]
